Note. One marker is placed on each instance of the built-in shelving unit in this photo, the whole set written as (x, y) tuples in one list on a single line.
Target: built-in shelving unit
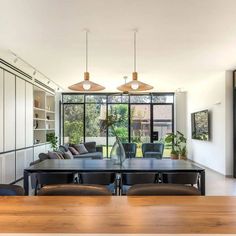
[(44, 115)]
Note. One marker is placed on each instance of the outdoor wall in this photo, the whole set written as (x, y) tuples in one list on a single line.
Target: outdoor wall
[(214, 94)]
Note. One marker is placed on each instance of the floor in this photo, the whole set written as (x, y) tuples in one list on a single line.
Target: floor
[(216, 184)]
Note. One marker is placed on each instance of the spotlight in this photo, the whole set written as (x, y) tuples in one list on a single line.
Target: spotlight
[(34, 73), (15, 60)]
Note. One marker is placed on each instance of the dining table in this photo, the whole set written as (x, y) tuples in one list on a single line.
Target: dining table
[(136, 165), (118, 214)]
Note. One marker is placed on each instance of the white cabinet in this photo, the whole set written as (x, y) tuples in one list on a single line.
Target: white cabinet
[(29, 114), (20, 163), (29, 156), (23, 159), (37, 150), (7, 165), (9, 111), (1, 111), (20, 113)]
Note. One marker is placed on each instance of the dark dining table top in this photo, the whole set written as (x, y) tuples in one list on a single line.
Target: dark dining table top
[(134, 164)]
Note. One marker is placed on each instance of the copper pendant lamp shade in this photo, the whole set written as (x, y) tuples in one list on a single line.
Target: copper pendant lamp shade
[(135, 84), (86, 85)]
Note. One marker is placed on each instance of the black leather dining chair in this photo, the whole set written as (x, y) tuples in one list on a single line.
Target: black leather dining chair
[(46, 178), (162, 190), (74, 190), (107, 179), (129, 179), (11, 190), (186, 178)]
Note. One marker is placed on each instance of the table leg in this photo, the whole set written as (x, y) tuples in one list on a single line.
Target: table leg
[(202, 183), (26, 182)]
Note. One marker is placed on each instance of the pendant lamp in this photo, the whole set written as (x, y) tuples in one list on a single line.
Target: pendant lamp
[(135, 84), (86, 85)]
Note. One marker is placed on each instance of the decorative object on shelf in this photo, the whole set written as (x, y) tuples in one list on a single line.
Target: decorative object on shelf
[(86, 85), (178, 142), (47, 126), (36, 103), (36, 124), (36, 115), (53, 140), (36, 141), (135, 84), (48, 117)]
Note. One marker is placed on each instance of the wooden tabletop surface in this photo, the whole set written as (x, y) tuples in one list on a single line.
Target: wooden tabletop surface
[(118, 214)]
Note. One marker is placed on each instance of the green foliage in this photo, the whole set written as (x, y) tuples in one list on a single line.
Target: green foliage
[(53, 140), (178, 142), (74, 130)]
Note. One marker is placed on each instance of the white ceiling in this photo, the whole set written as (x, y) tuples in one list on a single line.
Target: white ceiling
[(179, 41)]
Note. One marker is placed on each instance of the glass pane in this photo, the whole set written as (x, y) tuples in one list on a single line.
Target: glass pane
[(95, 131), (140, 98), (114, 99), (96, 98), (163, 98), (162, 124), (119, 111), (140, 126), (118, 98), (73, 123), (72, 98)]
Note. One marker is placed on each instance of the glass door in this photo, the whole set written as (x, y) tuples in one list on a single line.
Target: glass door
[(162, 124), (140, 125), (120, 127)]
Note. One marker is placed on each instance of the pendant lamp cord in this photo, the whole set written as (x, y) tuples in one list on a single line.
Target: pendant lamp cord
[(86, 50), (135, 50)]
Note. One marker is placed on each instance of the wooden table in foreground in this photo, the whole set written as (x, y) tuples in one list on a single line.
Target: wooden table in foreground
[(118, 214)]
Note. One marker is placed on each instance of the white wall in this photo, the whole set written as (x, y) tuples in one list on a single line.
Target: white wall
[(214, 94), (181, 112)]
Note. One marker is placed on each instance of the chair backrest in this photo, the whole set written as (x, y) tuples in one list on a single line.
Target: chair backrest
[(152, 147), (11, 190), (138, 178), (97, 178), (130, 149), (46, 178), (162, 190), (74, 190), (180, 178)]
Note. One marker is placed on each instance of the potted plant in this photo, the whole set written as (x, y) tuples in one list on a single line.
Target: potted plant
[(178, 143), (53, 140)]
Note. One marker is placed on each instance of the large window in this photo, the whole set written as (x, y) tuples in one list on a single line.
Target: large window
[(143, 118)]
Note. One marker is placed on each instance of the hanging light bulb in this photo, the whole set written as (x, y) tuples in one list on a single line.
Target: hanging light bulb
[(86, 84), (134, 85)]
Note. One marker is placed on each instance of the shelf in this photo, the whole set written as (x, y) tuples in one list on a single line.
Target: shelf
[(39, 129), (39, 109), (50, 120), (39, 119), (50, 111)]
